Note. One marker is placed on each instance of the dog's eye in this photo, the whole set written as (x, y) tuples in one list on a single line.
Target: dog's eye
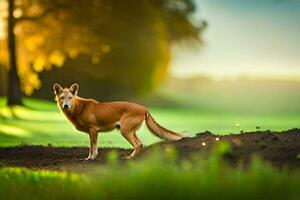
[(62, 98), (70, 98)]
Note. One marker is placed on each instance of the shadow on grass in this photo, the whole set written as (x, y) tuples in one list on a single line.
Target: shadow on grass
[(6, 137)]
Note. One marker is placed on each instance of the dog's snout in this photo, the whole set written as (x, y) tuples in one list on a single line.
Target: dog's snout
[(66, 107)]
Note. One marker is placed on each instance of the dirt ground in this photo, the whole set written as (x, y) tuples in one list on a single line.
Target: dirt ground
[(279, 148)]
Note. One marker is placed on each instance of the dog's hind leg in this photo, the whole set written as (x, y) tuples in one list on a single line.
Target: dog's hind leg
[(138, 141), (129, 136), (128, 127)]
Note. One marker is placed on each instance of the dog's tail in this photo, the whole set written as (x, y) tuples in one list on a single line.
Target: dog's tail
[(160, 131)]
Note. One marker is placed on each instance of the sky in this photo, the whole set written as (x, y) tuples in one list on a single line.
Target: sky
[(256, 38)]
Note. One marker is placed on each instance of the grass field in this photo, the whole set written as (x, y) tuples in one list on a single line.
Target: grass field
[(41, 123), (154, 178)]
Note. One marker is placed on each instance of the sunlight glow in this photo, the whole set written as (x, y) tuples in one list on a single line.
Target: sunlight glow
[(3, 14), (28, 114), (244, 38), (2, 29), (13, 130)]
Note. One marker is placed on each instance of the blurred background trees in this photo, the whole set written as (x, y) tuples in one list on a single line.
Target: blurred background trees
[(111, 48)]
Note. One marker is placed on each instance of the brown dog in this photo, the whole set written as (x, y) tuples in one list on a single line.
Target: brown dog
[(90, 116)]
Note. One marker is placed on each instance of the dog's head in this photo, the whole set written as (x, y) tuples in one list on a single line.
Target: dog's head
[(65, 96)]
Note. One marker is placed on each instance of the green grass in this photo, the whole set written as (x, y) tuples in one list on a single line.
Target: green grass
[(155, 178), (41, 123)]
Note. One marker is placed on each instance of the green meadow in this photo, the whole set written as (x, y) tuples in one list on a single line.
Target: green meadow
[(217, 109), (155, 178), (226, 110), (41, 122)]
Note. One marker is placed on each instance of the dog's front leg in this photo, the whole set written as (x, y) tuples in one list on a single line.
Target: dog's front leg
[(90, 149), (93, 134)]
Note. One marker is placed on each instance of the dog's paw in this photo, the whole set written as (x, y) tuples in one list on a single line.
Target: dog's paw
[(85, 159), (127, 157), (93, 157)]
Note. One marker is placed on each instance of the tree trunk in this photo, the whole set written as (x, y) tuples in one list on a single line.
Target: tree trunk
[(14, 93)]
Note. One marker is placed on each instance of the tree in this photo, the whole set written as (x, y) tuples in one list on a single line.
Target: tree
[(121, 37), (14, 93)]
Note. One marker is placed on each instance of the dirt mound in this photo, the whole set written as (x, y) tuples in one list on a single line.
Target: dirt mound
[(279, 148)]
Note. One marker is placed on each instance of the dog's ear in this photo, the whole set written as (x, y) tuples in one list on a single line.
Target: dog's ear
[(57, 89), (74, 89)]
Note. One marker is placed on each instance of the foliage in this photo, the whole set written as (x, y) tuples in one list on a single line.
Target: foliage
[(129, 37), (155, 178)]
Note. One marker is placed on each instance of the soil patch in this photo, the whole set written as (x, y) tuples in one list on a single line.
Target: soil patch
[(278, 148)]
